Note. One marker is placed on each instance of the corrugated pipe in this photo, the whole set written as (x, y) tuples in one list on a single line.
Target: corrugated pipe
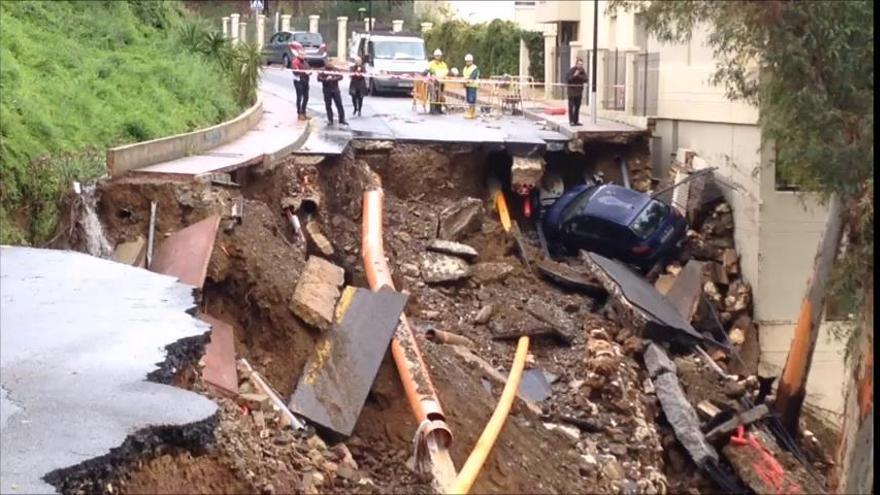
[(484, 445), (434, 433)]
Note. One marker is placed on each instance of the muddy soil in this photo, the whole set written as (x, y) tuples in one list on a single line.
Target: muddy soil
[(599, 431)]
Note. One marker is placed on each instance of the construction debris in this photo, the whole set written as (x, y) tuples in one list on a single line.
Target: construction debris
[(314, 298), (132, 253), (453, 249), (186, 253), (220, 369), (568, 277), (337, 378), (443, 268), (490, 272), (746, 418), (460, 219)]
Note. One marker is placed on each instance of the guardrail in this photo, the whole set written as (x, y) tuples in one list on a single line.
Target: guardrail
[(137, 155)]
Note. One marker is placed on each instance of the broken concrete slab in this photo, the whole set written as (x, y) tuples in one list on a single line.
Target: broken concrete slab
[(657, 361), (319, 240), (683, 419), (568, 277), (132, 253), (686, 290), (186, 253), (756, 460), (317, 290), (337, 378), (664, 283), (79, 336), (461, 219), (491, 271), (442, 268), (526, 172), (453, 249), (551, 317), (220, 370), (646, 310)]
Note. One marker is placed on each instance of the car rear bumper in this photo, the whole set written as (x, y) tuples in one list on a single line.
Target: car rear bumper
[(392, 84)]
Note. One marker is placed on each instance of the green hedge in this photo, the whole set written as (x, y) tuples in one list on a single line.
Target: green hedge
[(494, 45), (80, 76)]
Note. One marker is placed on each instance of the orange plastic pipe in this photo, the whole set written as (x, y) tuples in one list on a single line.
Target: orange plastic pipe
[(411, 367), (475, 461)]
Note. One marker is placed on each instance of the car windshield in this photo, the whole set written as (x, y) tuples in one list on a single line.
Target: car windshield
[(308, 39), (577, 204), (399, 50), (647, 222)]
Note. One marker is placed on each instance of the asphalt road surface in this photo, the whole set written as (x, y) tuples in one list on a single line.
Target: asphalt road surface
[(393, 118)]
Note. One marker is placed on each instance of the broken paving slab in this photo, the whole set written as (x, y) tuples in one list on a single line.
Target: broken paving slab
[(646, 309), (338, 376), (442, 268), (657, 361), (79, 336), (185, 254), (220, 370), (454, 249), (570, 278), (462, 218), (685, 292), (316, 292)]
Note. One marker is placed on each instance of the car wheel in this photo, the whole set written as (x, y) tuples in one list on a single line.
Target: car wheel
[(285, 60)]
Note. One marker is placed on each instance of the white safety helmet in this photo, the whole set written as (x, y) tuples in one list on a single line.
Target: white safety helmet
[(454, 72), (438, 53), (468, 58)]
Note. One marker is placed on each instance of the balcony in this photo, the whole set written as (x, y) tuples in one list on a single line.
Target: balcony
[(557, 11)]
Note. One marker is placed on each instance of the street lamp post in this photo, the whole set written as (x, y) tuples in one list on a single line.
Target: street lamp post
[(593, 101)]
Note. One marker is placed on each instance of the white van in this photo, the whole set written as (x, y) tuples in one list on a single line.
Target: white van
[(390, 56)]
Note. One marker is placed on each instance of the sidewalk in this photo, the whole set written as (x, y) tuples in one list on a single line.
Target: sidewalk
[(602, 130), (276, 135)]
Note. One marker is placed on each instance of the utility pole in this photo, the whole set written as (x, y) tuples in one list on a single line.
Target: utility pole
[(370, 15), (594, 103), (793, 382)]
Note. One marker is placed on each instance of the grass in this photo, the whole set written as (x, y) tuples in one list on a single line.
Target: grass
[(78, 77)]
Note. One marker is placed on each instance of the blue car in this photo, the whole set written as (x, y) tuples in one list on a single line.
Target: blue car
[(615, 222)]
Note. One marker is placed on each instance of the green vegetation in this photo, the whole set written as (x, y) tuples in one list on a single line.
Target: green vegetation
[(80, 76), (494, 45)]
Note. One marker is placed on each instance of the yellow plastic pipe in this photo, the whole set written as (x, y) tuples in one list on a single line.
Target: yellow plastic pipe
[(475, 461)]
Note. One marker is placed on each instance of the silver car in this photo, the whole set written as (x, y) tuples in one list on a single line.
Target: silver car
[(280, 48)]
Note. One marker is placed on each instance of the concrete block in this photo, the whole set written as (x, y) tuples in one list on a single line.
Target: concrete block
[(453, 248), (462, 218), (314, 298), (440, 268), (322, 244)]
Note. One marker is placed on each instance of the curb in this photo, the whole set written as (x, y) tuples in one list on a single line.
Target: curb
[(122, 159)]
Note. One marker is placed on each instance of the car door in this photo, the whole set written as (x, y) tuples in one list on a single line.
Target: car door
[(270, 52)]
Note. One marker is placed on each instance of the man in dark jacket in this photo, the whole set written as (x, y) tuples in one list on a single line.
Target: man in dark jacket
[(576, 79), (329, 78), (357, 88), (301, 84)]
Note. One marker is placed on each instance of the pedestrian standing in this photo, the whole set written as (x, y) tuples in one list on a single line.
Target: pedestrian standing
[(301, 84), (471, 73), (438, 70), (576, 79), (357, 88), (256, 7), (329, 78)]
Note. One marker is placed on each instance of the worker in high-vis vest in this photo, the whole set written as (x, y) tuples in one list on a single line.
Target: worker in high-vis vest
[(438, 70), (471, 73)]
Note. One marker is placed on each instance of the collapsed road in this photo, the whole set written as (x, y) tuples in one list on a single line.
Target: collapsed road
[(319, 386)]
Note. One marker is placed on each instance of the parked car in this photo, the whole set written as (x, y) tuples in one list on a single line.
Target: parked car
[(396, 58), (616, 222), (281, 46)]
